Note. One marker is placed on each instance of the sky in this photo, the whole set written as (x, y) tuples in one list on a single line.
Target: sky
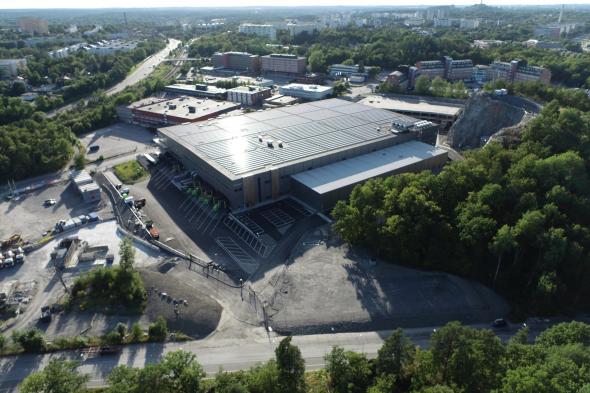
[(6, 4)]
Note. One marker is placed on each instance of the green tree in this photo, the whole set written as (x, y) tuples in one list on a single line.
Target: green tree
[(565, 333), (127, 253), (31, 340), (182, 372), (123, 379), (348, 372), (2, 341), (422, 85), (136, 332), (396, 355), (58, 376), (158, 330), (291, 367)]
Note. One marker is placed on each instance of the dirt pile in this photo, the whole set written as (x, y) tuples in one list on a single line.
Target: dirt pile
[(482, 117)]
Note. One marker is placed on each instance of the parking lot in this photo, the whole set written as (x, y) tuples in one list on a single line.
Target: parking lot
[(194, 219), (30, 217), (117, 139)]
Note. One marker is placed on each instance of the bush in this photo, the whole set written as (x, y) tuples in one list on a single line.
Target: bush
[(130, 172), (31, 340), (158, 330), (136, 332), (2, 341)]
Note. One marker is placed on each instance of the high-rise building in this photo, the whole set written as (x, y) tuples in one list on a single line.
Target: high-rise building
[(11, 67), (33, 25)]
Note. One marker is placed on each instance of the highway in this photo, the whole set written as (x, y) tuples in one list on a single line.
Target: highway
[(142, 70), (213, 353)]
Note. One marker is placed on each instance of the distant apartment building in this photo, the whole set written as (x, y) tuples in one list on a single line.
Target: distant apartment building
[(268, 31), (468, 24), (105, 48), (443, 22), (249, 95), (306, 92), (343, 70), (239, 61), (446, 68), (515, 71), (555, 31), (283, 64), (432, 13), (298, 28), (33, 25), (11, 67), (485, 44), (414, 21), (480, 73)]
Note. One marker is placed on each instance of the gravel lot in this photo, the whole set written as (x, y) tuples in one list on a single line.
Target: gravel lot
[(329, 286), (49, 290), (197, 319), (30, 218)]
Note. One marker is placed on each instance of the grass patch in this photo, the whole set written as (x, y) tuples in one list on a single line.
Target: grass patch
[(130, 172)]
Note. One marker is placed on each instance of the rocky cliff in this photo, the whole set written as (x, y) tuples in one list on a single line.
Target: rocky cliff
[(482, 117)]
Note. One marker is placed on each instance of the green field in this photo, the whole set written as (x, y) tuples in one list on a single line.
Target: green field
[(130, 172)]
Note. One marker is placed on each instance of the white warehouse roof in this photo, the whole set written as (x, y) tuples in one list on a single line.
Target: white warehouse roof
[(358, 169)]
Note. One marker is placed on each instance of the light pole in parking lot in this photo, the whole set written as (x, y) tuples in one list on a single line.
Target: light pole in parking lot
[(242, 289)]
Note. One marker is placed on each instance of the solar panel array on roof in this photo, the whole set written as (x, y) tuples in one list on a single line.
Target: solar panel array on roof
[(250, 142)]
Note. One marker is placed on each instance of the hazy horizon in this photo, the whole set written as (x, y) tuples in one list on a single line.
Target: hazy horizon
[(105, 4)]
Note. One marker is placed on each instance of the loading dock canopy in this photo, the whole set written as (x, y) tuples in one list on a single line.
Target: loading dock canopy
[(355, 170)]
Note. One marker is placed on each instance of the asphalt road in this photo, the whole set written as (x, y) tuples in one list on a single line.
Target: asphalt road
[(233, 355), (145, 68)]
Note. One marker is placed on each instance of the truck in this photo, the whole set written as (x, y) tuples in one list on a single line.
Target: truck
[(45, 314), (152, 230)]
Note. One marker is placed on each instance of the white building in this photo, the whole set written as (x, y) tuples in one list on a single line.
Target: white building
[(10, 67), (268, 31), (306, 92), (104, 48), (443, 22), (248, 95)]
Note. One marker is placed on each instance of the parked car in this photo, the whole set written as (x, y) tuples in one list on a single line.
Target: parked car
[(93, 148), (49, 202), (500, 323)]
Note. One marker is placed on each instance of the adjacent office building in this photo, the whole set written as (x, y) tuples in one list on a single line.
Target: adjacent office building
[(446, 68), (197, 90), (178, 111), (516, 71), (237, 61), (316, 151), (249, 95), (283, 64), (306, 92)]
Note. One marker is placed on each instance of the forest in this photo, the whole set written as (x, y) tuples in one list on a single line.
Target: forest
[(458, 359), (513, 217), (33, 144)]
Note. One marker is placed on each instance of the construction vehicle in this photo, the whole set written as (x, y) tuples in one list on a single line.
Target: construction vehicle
[(13, 241)]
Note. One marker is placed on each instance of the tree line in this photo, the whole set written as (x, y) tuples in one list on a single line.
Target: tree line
[(35, 145), (512, 217), (459, 359), (391, 47)]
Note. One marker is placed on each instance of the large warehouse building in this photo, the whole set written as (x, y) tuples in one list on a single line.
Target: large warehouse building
[(315, 151)]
